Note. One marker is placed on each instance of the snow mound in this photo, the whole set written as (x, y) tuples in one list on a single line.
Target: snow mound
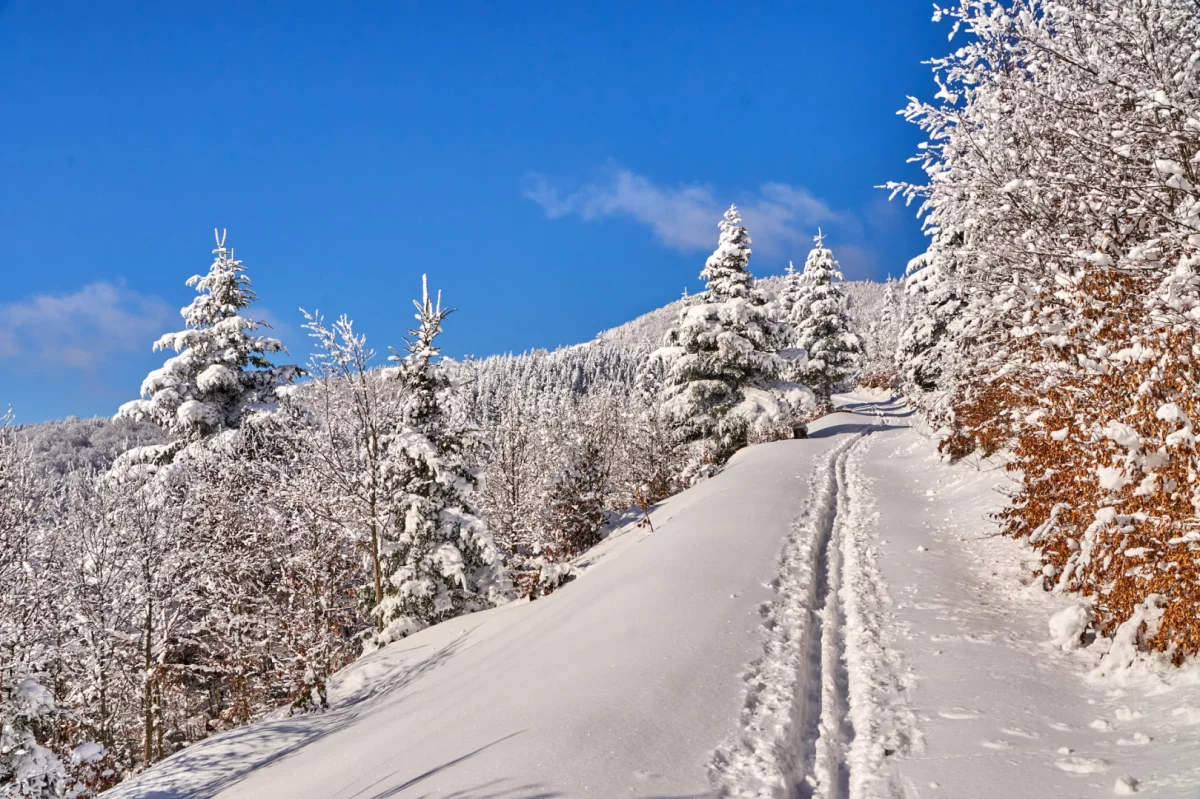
[(1068, 625)]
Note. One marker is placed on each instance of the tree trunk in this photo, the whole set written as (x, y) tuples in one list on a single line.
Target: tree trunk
[(148, 692), (373, 501)]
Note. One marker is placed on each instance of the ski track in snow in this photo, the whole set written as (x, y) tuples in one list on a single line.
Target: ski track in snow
[(824, 705)]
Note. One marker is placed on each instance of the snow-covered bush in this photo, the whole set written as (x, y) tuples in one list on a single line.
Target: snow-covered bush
[(28, 770)]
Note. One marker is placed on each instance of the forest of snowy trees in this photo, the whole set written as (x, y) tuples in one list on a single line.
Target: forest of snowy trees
[(1053, 321), (247, 527)]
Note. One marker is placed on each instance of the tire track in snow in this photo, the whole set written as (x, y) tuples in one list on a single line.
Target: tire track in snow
[(824, 707)]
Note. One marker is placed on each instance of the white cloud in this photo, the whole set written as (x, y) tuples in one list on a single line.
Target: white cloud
[(781, 218), (82, 330), (857, 261)]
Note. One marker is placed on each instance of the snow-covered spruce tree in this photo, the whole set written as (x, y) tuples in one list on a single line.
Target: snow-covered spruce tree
[(722, 345), (792, 291), (653, 457), (781, 309), (573, 517), (441, 561), (928, 345), (883, 333), (822, 328), (220, 375), (576, 512), (221, 370)]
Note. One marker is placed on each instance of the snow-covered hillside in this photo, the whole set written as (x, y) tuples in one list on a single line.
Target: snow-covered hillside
[(827, 617)]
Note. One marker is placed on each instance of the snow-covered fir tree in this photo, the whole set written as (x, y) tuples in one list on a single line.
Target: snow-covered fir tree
[(933, 305), (722, 345), (221, 369), (883, 332), (654, 456), (576, 511), (782, 306), (792, 291), (441, 561), (822, 327)]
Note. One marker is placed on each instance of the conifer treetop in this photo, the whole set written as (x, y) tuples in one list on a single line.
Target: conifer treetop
[(726, 270), (430, 315), (222, 368)]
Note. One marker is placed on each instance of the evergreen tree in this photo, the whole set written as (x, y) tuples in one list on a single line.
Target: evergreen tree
[(934, 302), (884, 331), (221, 370), (654, 457), (727, 270), (822, 326), (442, 561), (883, 322), (721, 345), (782, 310)]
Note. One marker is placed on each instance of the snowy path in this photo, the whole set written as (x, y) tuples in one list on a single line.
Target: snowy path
[(1003, 711), (825, 703), (826, 619)]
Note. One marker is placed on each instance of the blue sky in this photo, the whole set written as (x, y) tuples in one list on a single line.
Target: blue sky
[(556, 168)]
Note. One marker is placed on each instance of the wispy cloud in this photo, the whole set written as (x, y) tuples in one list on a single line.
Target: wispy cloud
[(781, 218), (82, 330)]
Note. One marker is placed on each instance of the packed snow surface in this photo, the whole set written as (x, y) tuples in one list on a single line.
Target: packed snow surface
[(829, 617)]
